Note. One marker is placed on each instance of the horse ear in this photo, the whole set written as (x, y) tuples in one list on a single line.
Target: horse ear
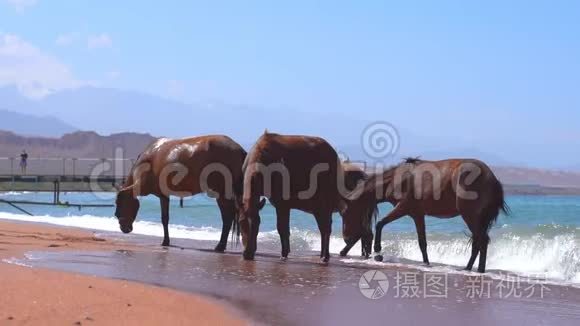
[(262, 203), (342, 206)]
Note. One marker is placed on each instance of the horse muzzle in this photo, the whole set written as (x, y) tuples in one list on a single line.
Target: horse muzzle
[(126, 229)]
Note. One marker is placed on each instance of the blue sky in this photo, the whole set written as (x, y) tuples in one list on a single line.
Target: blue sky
[(485, 72)]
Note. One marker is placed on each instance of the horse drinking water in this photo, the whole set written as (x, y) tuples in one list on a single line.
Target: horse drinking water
[(443, 189), (185, 167), (298, 172)]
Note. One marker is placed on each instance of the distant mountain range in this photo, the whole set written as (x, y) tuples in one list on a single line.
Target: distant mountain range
[(79, 144), (88, 144), (112, 111), (537, 177), (27, 124)]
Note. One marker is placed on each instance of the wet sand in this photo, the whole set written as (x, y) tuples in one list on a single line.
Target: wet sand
[(37, 296), (301, 291)]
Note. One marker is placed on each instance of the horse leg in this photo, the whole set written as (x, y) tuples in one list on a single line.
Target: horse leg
[(483, 243), (283, 226), (420, 226), (347, 248), (397, 212), (324, 222), (474, 242), (227, 210), (164, 201), (474, 252)]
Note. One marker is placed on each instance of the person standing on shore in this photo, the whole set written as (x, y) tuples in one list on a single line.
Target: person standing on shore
[(23, 161)]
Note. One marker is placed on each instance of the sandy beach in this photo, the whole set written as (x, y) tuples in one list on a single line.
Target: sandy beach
[(37, 296), (74, 276)]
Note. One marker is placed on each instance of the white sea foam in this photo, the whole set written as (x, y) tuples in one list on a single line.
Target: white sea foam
[(14, 193), (555, 258), (110, 224), (554, 253), (15, 261)]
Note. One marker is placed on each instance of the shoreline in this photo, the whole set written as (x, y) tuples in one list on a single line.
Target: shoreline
[(299, 291), (33, 296), (150, 241)]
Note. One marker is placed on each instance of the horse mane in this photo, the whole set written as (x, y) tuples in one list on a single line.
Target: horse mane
[(412, 160), (380, 179)]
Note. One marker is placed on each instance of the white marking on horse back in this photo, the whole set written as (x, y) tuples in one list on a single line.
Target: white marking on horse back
[(187, 149), (159, 142)]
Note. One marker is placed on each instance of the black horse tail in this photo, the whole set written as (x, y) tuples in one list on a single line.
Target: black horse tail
[(497, 204), (370, 216)]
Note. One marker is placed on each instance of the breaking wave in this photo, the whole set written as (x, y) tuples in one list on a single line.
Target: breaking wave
[(550, 250)]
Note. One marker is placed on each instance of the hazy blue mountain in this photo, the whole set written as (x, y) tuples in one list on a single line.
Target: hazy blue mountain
[(108, 111), (31, 125), (575, 167)]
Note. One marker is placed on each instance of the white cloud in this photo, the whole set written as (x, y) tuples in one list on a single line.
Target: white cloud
[(66, 39), (102, 40), (21, 5), (35, 73)]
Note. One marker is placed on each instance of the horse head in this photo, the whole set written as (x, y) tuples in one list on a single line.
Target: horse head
[(127, 206)]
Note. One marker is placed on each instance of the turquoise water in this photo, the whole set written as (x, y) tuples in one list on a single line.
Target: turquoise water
[(527, 212), (542, 234)]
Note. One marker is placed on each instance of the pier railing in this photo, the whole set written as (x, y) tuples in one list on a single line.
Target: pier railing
[(67, 167)]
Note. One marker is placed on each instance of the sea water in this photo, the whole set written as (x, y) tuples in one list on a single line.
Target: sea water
[(541, 236)]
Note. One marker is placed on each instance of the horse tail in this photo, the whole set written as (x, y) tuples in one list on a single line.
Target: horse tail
[(236, 229), (238, 194), (370, 217), (497, 204)]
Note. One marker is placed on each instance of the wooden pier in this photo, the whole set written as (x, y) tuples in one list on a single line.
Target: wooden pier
[(52, 183), (56, 185), (58, 175)]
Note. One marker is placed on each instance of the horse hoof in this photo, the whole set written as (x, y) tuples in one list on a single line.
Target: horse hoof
[(165, 244), (219, 248), (379, 258), (366, 256), (283, 258), (248, 256), (343, 253), (324, 260)]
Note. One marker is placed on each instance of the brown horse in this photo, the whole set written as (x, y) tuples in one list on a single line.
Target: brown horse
[(185, 167), (443, 189), (296, 172)]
